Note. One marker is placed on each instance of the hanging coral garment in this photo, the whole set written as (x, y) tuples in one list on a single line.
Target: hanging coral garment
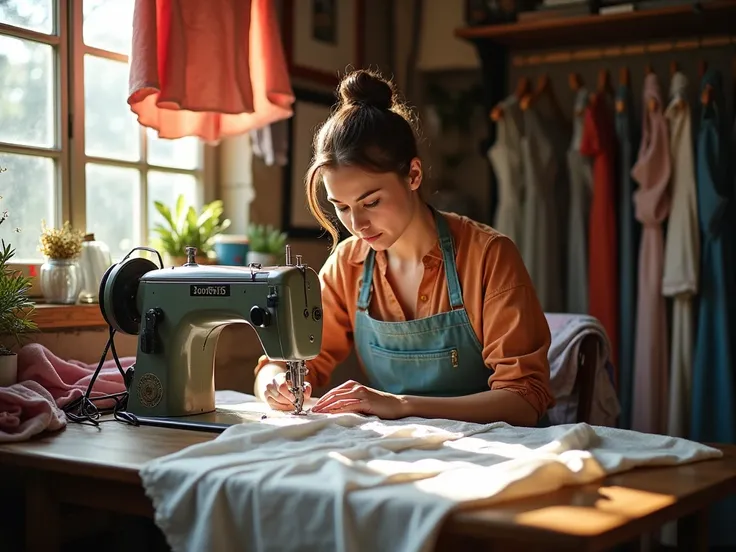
[(652, 201), (210, 69), (681, 256), (629, 230), (599, 142)]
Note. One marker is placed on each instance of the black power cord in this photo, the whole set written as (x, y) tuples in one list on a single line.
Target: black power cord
[(84, 410)]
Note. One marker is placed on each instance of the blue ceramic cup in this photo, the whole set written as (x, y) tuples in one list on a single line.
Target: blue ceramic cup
[(231, 249)]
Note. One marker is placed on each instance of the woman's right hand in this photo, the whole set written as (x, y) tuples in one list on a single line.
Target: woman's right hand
[(275, 390)]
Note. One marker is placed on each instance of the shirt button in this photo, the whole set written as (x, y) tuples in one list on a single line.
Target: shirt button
[(423, 297)]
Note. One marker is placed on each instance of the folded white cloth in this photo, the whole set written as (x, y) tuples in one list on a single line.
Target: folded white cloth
[(351, 483), (568, 332)]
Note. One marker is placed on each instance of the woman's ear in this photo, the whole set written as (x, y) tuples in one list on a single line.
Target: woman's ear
[(415, 174)]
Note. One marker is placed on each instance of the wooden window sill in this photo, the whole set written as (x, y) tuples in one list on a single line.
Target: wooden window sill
[(67, 317)]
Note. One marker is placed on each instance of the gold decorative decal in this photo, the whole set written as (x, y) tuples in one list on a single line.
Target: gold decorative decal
[(150, 390)]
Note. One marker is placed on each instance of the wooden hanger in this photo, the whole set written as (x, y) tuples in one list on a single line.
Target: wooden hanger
[(624, 79), (575, 81), (648, 70), (605, 88), (702, 68), (706, 97), (674, 68), (523, 90)]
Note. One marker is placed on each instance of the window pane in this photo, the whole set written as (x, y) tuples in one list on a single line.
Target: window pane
[(108, 24), (183, 153), (166, 187), (113, 212), (26, 92), (35, 15), (28, 195), (111, 128)]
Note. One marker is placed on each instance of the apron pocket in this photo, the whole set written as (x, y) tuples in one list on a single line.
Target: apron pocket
[(436, 356)]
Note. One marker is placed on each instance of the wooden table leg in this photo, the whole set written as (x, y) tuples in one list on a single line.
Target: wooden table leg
[(692, 532), (42, 516)]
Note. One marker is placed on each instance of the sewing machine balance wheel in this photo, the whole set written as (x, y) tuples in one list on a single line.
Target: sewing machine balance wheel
[(118, 290)]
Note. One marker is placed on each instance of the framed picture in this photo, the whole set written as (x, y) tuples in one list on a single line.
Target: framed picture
[(323, 38), (310, 110)]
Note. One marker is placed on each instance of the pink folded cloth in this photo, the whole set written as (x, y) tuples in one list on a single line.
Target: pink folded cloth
[(43, 377), (27, 409)]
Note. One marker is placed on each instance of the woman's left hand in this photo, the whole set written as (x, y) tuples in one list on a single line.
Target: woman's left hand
[(352, 396)]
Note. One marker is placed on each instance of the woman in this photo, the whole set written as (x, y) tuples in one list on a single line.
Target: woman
[(440, 309)]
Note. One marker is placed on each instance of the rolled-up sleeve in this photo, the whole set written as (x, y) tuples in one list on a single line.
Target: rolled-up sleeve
[(516, 336)]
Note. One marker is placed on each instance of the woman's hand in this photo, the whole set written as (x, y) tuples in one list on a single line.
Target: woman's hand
[(277, 394), (352, 396)]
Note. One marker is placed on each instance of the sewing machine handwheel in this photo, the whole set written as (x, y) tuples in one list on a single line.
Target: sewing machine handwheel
[(118, 290)]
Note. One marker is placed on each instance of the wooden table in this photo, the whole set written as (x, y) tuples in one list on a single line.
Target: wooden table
[(98, 468)]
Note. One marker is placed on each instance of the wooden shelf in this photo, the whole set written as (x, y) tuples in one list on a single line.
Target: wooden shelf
[(667, 23), (67, 317)]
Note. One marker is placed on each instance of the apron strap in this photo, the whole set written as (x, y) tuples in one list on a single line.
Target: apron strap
[(448, 257), (366, 283)]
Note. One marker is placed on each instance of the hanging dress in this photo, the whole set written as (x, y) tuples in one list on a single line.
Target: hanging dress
[(714, 387), (629, 230), (505, 158), (210, 69), (540, 243), (681, 256), (652, 201), (599, 143), (581, 184)]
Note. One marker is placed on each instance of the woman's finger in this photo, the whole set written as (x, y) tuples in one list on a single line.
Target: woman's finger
[(346, 405), (325, 403), (276, 405), (272, 391)]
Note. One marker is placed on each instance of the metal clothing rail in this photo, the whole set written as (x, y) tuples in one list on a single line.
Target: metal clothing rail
[(593, 54)]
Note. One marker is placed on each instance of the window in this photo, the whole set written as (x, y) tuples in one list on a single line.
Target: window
[(72, 148)]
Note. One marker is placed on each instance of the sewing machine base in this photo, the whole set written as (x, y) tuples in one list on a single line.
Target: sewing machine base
[(212, 422)]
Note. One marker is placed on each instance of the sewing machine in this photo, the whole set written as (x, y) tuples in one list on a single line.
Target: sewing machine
[(178, 314)]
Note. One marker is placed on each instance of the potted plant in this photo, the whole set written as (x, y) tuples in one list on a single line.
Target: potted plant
[(265, 245), (187, 228), (16, 309), (61, 274)]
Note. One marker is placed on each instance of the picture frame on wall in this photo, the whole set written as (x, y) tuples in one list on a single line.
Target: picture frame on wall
[(311, 109), (323, 39)]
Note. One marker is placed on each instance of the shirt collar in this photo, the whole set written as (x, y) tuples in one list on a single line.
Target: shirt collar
[(359, 252)]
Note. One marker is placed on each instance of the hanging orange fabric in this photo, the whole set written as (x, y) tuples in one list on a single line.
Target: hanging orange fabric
[(210, 69), (599, 142)]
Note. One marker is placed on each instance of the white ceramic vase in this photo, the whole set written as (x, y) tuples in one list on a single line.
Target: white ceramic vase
[(61, 280), (263, 259), (8, 370)]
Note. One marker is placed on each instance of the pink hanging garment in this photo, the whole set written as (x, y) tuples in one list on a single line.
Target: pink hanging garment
[(652, 205), (210, 69)]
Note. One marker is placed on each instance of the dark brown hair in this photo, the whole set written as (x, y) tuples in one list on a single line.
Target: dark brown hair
[(369, 128)]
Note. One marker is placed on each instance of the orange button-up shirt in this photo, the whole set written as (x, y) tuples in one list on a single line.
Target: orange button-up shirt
[(497, 292)]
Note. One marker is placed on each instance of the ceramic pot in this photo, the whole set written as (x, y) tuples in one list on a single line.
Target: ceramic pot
[(263, 259), (61, 281), (8, 370)]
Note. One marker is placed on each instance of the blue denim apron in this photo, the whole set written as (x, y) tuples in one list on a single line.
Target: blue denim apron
[(439, 355)]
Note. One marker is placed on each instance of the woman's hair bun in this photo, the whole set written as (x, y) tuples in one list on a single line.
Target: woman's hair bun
[(363, 87)]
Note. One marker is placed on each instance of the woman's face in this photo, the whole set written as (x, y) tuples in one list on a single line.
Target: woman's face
[(375, 207)]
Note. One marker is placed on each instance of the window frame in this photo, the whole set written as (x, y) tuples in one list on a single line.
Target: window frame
[(69, 149)]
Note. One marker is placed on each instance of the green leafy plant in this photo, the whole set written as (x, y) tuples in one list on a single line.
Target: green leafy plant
[(16, 309), (187, 228), (266, 239)]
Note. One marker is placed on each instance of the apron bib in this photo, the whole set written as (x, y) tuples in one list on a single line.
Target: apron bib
[(439, 355)]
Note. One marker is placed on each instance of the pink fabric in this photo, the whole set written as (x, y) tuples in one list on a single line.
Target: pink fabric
[(208, 69), (652, 205), (27, 409), (47, 383)]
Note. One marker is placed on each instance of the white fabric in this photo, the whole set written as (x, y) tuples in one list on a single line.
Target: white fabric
[(350, 483), (681, 257), (568, 332)]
